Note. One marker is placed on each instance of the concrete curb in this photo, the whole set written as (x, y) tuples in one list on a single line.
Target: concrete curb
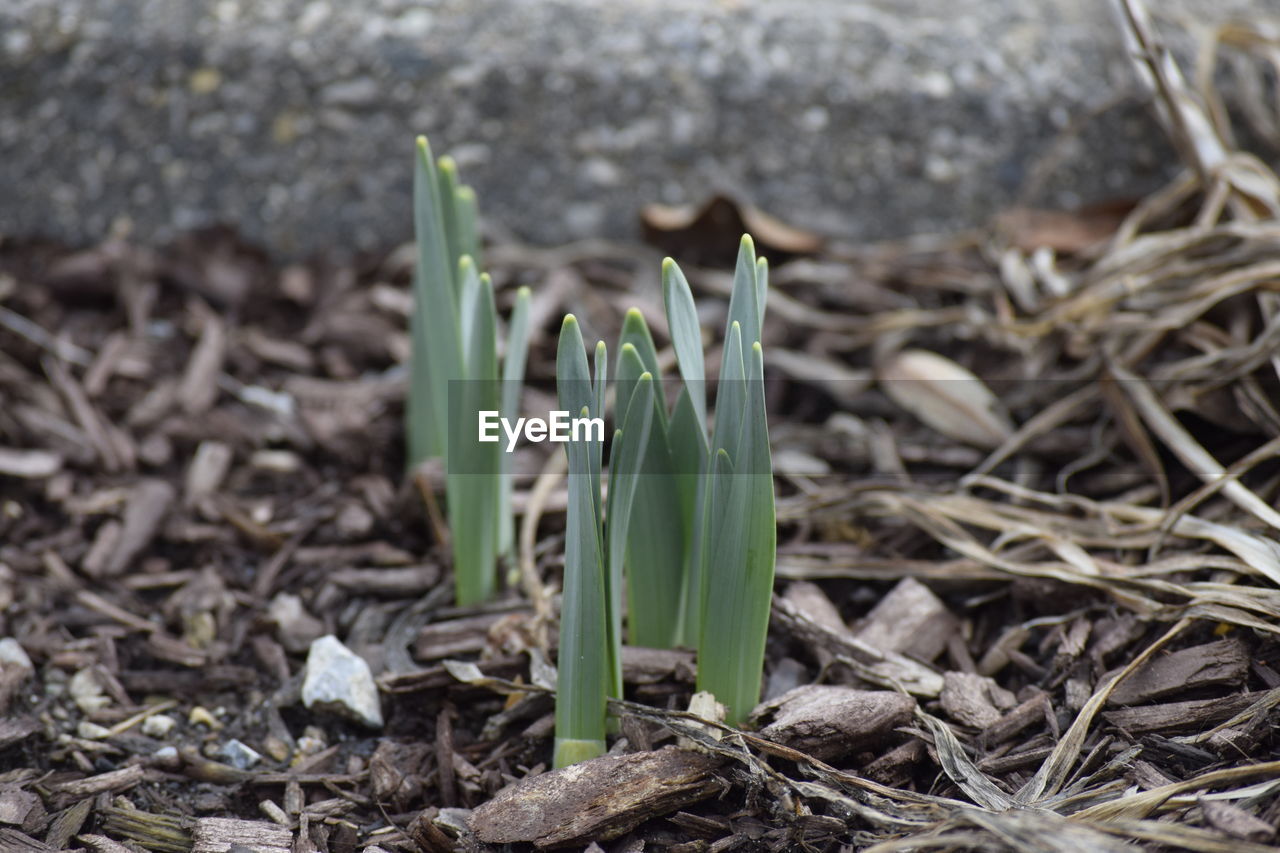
[(294, 119)]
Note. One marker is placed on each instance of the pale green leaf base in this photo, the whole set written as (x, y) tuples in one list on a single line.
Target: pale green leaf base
[(569, 751)]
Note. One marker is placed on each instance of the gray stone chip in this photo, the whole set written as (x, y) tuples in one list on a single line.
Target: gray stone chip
[(340, 681)]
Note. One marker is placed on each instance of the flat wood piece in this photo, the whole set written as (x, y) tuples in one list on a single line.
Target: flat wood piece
[(221, 835), (600, 799), (910, 620), (974, 700), (1235, 821), (149, 502), (1221, 662), (14, 729), (829, 722), (13, 841), (1195, 714)]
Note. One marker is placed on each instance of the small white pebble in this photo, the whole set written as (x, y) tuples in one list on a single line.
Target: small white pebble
[(91, 731), (200, 716), (158, 725), (276, 461), (166, 756), (239, 755), (87, 692), (271, 810), (12, 654)]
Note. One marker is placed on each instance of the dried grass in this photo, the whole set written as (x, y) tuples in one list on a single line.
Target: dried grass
[(1176, 315)]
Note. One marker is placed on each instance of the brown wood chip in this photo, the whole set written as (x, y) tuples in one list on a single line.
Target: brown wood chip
[(829, 721), (113, 781), (911, 620), (16, 805), (13, 841), (67, 823), (14, 729), (1178, 715), (454, 637), (1029, 712), (1235, 821), (600, 799), (652, 666), (1221, 662), (149, 502), (199, 388), (219, 834), (970, 699), (409, 580)]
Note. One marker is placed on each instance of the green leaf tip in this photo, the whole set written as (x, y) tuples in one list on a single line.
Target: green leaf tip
[(646, 376), (569, 322), (756, 349), (447, 164), (421, 143), (633, 313), (523, 292), (748, 244), (466, 193), (668, 264), (466, 264)]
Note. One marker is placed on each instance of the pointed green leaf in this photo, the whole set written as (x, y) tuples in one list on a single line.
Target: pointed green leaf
[(762, 288), (437, 354), (584, 662), (731, 395), (687, 443), (656, 551), (630, 445), (469, 314), (740, 569), (466, 211), (601, 365), (629, 369), (512, 379), (472, 481), (635, 331), (573, 375), (447, 178), (744, 301), (686, 335)]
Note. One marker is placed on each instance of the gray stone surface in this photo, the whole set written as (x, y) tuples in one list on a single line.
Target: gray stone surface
[(339, 680), (294, 119)]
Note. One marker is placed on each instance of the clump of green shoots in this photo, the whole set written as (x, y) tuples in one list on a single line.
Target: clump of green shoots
[(454, 327), (693, 537)]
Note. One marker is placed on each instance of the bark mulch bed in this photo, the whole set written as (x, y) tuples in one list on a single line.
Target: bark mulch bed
[(1045, 624)]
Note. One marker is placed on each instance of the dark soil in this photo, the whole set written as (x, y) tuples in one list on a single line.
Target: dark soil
[(201, 435)]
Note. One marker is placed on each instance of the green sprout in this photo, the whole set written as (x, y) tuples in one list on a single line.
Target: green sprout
[(454, 327), (690, 527), (590, 662)]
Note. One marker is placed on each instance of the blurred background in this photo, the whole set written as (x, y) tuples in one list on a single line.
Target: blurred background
[(293, 120)]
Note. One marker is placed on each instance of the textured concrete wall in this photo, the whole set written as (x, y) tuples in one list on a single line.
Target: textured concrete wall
[(294, 119)]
